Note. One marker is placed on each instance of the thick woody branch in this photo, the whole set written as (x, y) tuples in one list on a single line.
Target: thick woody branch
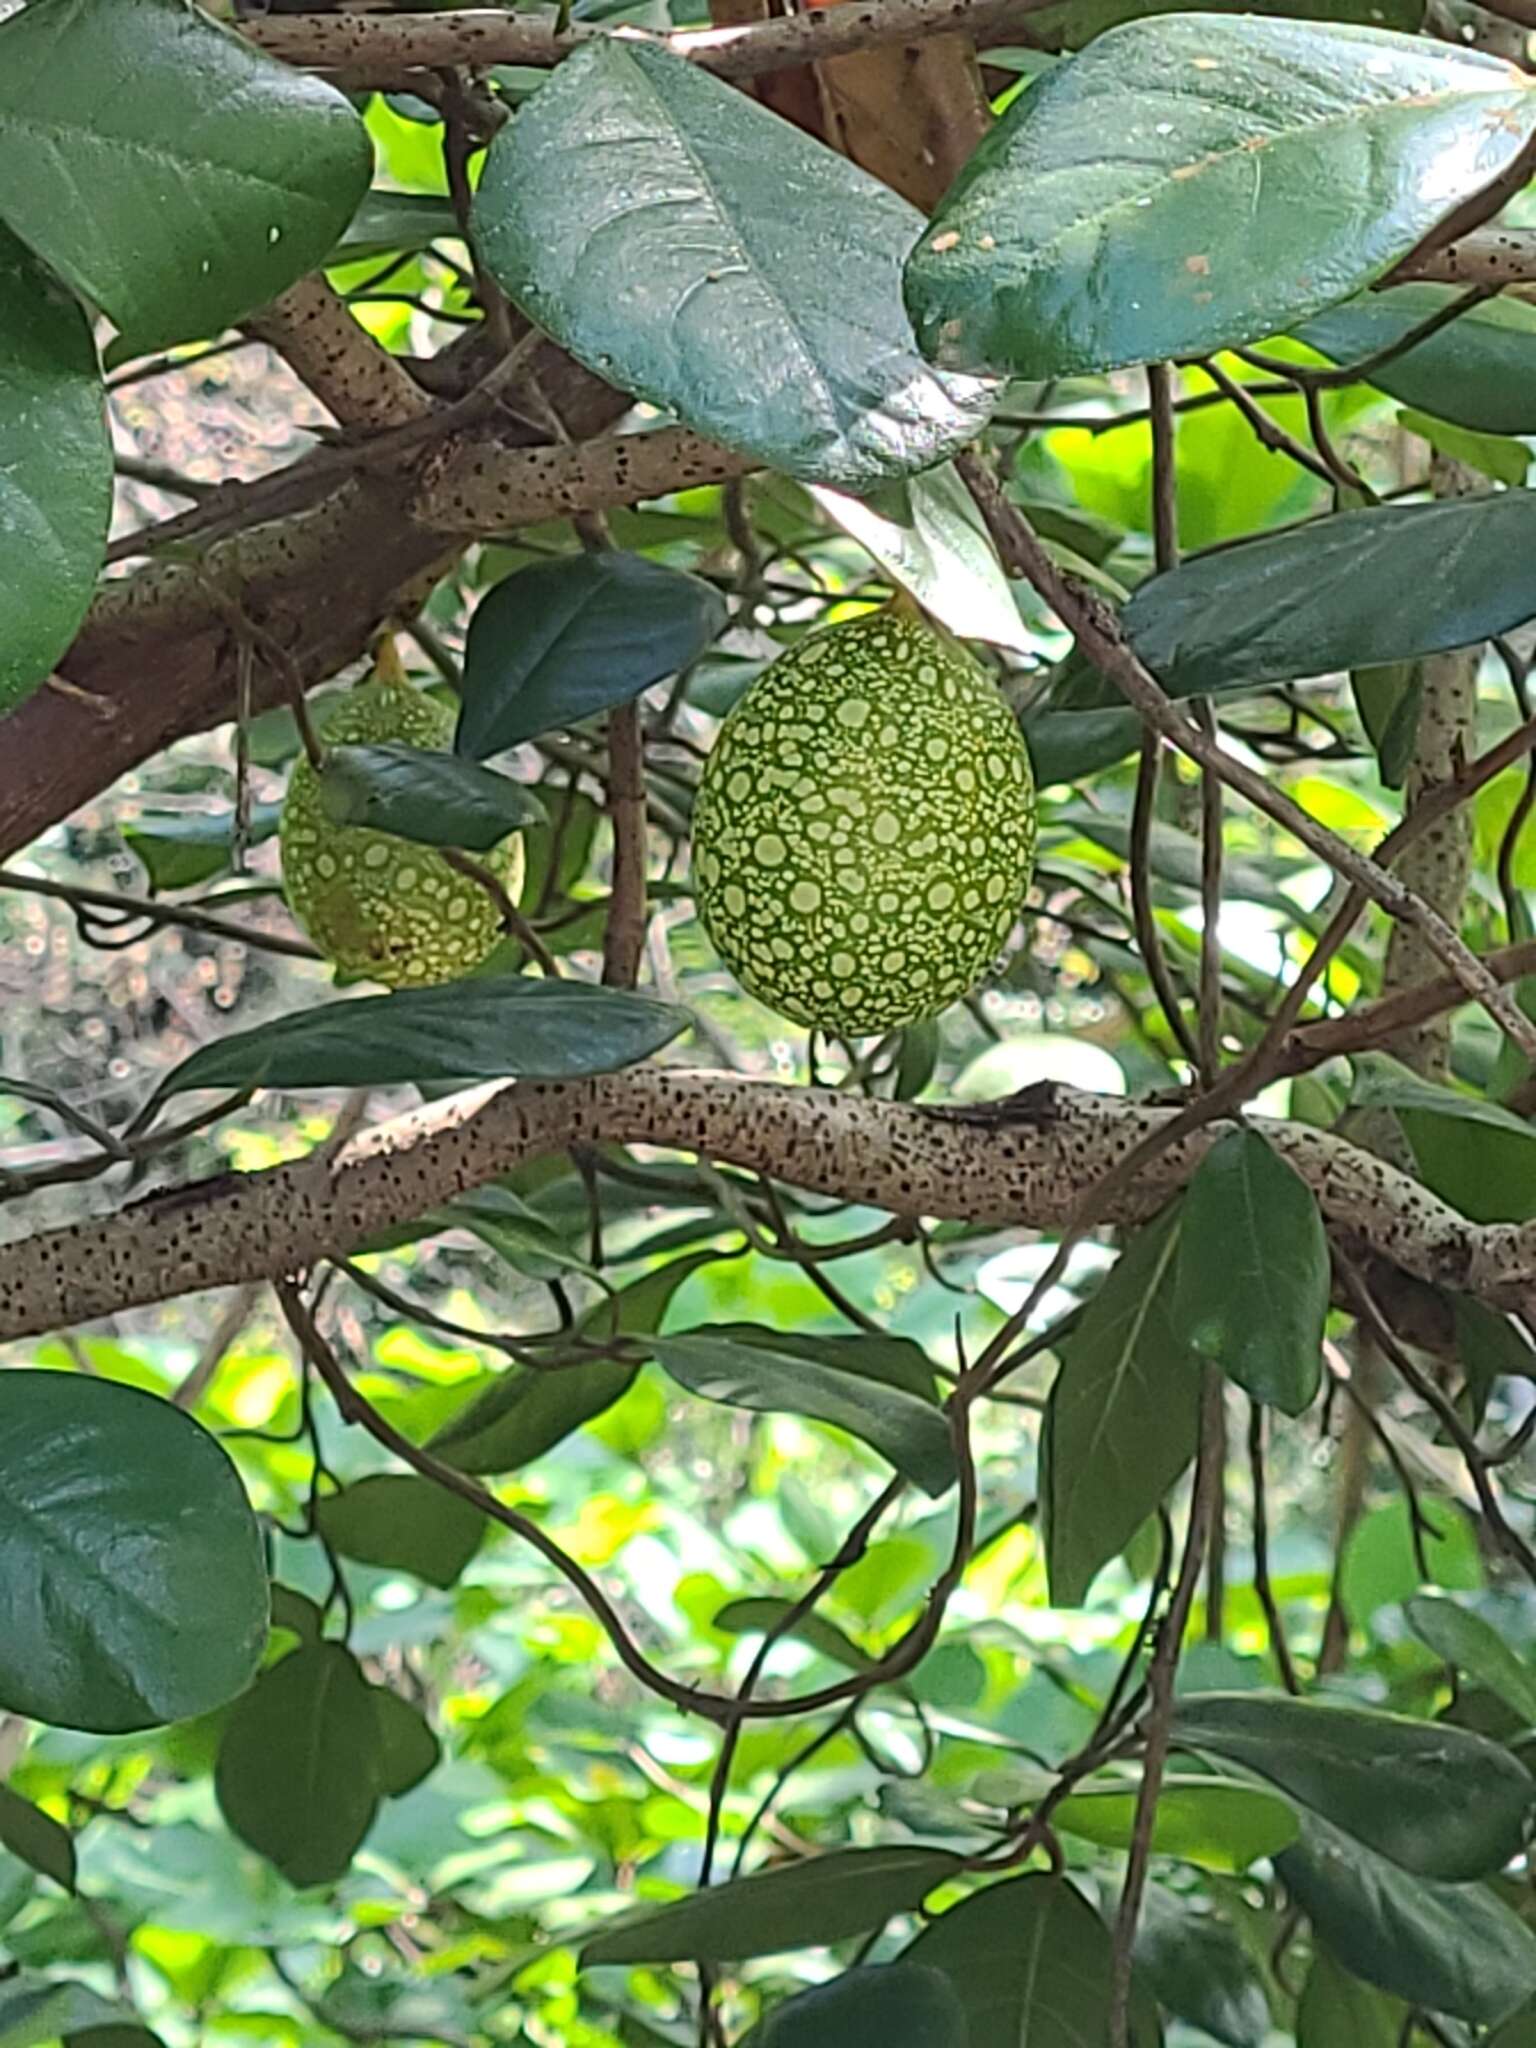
[(1026, 1161), (367, 49), (358, 382), (155, 659), (1491, 257)]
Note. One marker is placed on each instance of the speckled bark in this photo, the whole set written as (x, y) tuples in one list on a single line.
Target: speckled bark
[(1437, 864), (1025, 1161)]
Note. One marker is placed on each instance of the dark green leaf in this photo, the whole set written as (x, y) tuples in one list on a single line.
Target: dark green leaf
[(1069, 746), (1518, 2031), (1480, 371), (905, 1428), (401, 1522), (1473, 1153), (1338, 2011), (1473, 1646), (1496, 455), (408, 1750), (820, 1899), (502, 1221), (171, 173), (524, 1413), (1201, 1972), (477, 1030), (764, 1613), (1254, 1272), (1197, 180), (1380, 1564), (1030, 1960), (132, 1589), (35, 2010), (114, 2037), (1439, 1801), (701, 253), (181, 849), (435, 799), (1490, 1348), (1215, 1822), (1288, 605), (1388, 699), (37, 1838), (927, 534), (55, 468), (1123, 1415), (386, 221), (902, 2005), (297, 1613), (561, 640), (1453, 1948), (301, 1764)]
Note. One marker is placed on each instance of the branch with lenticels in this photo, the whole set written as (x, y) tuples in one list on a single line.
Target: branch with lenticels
[(1026, 1161)]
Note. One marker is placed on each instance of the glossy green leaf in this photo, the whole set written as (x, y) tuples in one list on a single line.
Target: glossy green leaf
[(386, 221), (1518, 2031), (408, 1750), (1122, 1417), (928, 536), (523, 1412), (1453, 1948), (699, 252), (296, 1613), (132, 1588), (1254, 1274), (1489, 1348), (1288, 605), (1201, 1972), (181, 849), (820, 1899), (1215, 1822), (168, 171), (1389, 699), (436, 799), (55, 469), (901, 2005), (1030, 1960), (1379, 1567), (1495, 455), (557, 642), (1480, 371), (909, 1431), (484, 1029), (763, 1613), (36, 2010), (1338, 2011), (504, 1223), (301, 1764), (1069, 746), (1199, 180), (1476, 1648), (1475, 1154), (114, 2037), (37, 1838), (401, 1522), (1439, 1801)]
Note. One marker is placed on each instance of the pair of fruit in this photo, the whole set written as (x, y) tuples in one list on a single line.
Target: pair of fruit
[(863, 836)]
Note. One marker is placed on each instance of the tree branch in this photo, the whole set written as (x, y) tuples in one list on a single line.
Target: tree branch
[(1025, 1161), (368, 49), (1102, 640)]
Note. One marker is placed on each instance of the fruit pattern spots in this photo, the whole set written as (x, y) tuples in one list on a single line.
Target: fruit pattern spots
[(864, 833), (377, 905)]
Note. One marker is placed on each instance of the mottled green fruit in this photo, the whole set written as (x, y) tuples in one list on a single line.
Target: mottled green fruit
[(379, 906), (864, 833)]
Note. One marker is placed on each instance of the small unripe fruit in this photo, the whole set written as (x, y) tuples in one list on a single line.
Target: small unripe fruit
[(379, 906), (864, 833)]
